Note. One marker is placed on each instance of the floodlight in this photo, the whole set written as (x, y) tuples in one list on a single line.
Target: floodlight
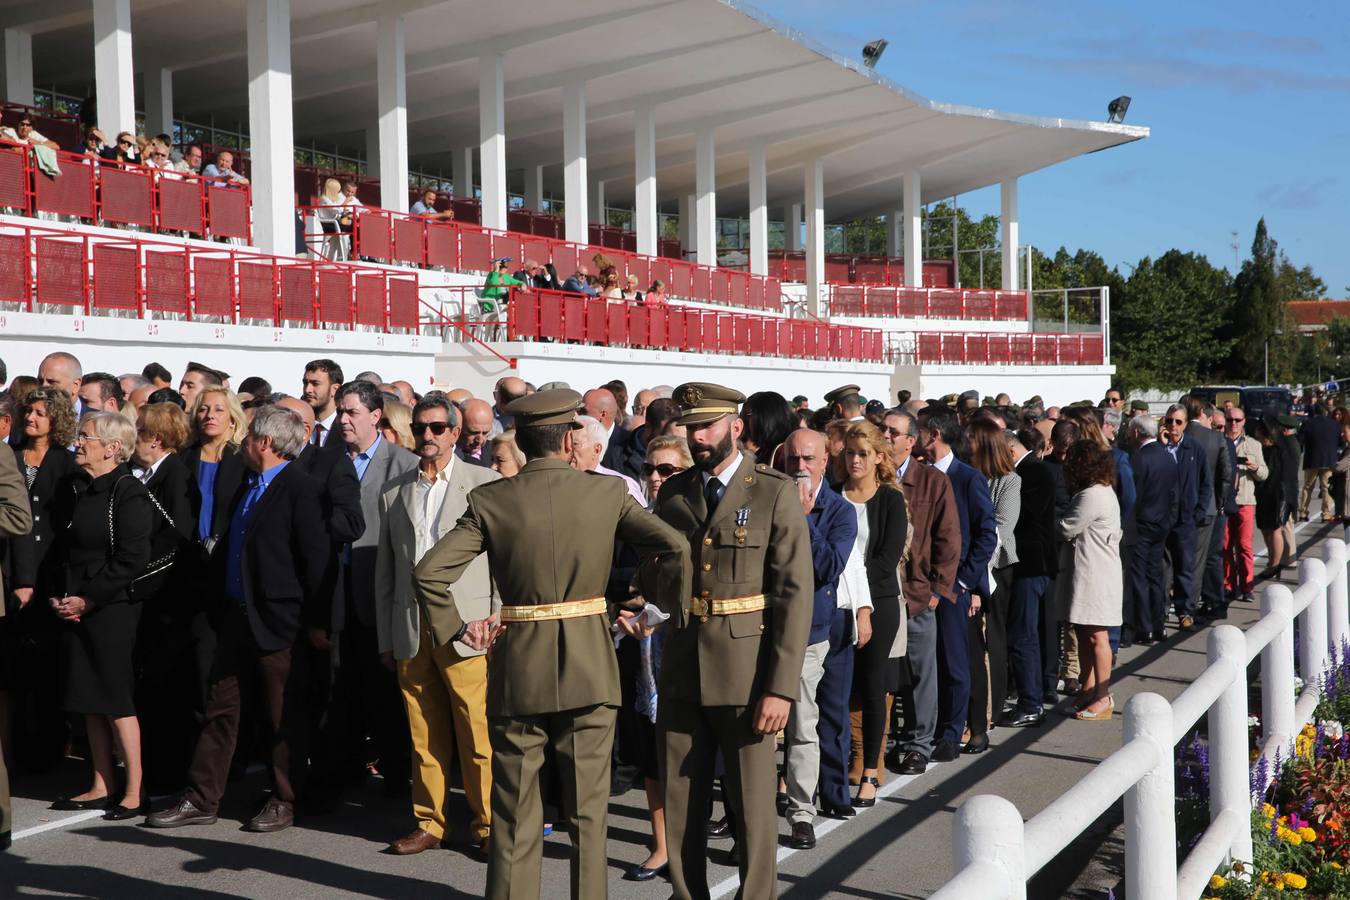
[(872, 53), (1116, 109)]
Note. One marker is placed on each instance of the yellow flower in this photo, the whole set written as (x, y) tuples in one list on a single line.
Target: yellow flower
[(1294, 880), (1217, 881), (1307, 834)]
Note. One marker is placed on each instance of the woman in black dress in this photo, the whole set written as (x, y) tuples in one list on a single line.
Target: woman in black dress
[(1273, 504), (871, 488), (46, 427), (106, 547)]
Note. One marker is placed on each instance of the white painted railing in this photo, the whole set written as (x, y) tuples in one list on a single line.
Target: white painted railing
[(995, 852)]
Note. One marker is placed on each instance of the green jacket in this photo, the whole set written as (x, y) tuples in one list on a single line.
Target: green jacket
[(498, 287), (549, 536)]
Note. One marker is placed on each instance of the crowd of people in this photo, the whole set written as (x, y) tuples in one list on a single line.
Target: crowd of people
[(203, 577)]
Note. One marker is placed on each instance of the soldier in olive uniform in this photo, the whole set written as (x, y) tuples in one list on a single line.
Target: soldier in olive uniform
[(733, 657), (549, 535), (16, 518)]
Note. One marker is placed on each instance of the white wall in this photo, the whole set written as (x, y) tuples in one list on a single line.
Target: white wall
[(1057, 385), (471, 366), (121, 346)]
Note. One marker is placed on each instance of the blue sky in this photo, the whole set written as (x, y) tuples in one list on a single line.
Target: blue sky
[(1248, 103)]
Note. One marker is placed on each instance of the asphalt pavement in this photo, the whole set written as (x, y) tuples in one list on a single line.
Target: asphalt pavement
[(900, 848)]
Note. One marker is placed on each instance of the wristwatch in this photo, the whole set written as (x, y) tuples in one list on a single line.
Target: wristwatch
[(459, 635)]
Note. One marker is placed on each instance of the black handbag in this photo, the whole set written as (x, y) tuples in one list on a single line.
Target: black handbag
[(163, 546)]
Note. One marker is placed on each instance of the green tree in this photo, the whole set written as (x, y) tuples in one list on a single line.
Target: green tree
[(1261, 315), (1166, 321)]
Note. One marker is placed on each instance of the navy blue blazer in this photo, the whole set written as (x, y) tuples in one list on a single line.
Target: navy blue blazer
[(1156, 478), (1321, 438), (834, 530), (1194, 483), (979, 529), (1125, 493)]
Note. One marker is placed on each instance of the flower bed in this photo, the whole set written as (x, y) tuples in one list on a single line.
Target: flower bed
[(1299, 840)]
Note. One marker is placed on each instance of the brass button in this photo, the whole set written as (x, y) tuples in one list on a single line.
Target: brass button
[(707, 595), (707, 542), (707, 567), (761, 626)]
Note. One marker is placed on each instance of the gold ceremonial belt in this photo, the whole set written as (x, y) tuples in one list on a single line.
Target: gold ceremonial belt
[(547, 612), (728, 607)]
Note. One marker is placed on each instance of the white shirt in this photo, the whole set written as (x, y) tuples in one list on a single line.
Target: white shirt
[(327, 426), (146, 474), (854, 591), (609, 432), (942, 465), (904, 467), (430, 498)]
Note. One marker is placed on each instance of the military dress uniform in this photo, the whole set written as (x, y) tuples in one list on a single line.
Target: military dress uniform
[(549, 536), (741, 634), (16, 518)]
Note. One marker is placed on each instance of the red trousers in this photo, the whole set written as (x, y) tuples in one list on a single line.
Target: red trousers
[(1237, 551)]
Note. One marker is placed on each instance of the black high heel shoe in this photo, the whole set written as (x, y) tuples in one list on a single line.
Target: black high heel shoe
[(859, 802)]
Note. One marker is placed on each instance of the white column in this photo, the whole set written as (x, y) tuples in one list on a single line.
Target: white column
[(577, 218), (112, 67), (492, 139), (913, 219), (705, 189), (793, 228), (158, 86), (269, 113), (1008, 227), (759, 211), (644, 185), (815, 233), (687, 203), (18, 66), (893, 230), (461, 172), (391, 88), (534, 187)]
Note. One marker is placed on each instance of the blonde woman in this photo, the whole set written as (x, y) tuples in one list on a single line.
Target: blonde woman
[(328, 213), (106, 546), (212, 456), (507, 460), (396, 425)]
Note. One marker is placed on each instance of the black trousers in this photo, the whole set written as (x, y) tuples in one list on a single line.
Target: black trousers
[(989, 634), (175, 665)]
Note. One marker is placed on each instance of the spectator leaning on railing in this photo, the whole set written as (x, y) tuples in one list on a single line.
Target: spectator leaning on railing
[(223, 169), (23, 133)]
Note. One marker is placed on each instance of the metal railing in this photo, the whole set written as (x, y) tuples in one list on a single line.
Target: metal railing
[(885, 301), (995, 348), (995, 853)]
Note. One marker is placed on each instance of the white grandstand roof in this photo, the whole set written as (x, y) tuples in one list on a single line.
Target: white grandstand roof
[(700, 63)]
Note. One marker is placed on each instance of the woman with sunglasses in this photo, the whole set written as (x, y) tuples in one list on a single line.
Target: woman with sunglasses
[(667, 455)]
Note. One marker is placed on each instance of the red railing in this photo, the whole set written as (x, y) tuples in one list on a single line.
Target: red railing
[(394, 237), (1019, 349), (102, 192), (846, 268), (576, 318), (94, 273), (926, 303)]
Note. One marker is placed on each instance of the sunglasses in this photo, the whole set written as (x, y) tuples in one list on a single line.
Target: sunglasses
[(1175, 421), (895, 432), (665, 470), (1236, 419), (436, 428)]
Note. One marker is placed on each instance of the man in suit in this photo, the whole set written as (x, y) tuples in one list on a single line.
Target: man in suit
[(1215, 489), (271, 567), (16, 518), (1321, 438), (1156, 477), (319, 389), (603, 406), (627, 450), (549, 535), (365, 699), (817, 744), (444, 685), (733, 657), (479, 426), (979, 537), (1195, 491), (929, 580), (1037, 564)]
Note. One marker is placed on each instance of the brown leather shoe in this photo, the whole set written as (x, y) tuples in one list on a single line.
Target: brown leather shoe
[(414, 841), (276, 815), (184, 812)]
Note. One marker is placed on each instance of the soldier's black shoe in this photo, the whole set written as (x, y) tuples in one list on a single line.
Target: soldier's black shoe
[(803, 836)]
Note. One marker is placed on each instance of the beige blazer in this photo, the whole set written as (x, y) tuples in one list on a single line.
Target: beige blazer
[(397, 612)]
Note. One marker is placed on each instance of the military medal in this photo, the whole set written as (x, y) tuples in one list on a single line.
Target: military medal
[(743, 516)]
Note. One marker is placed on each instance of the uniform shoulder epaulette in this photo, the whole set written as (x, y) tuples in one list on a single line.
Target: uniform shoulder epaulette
[(762, 469)]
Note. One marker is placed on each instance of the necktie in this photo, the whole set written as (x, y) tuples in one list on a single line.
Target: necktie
[(318, 433), (712, 494)]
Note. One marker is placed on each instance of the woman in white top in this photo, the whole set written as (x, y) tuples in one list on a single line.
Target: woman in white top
[(330, 208), (1092, 525)]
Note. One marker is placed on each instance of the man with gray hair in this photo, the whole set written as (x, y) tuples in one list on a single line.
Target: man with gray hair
[(271, 564), (1156, 488), (588, 450)]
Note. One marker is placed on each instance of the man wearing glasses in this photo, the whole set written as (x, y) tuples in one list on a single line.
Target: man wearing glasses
[(1194, 490), (1251, 468), (1114, 399), (443, 682), (25, 134)]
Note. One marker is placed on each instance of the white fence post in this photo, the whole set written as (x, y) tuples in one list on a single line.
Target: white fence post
[(990, 829), (1277, 668), (1150, 806), (1312, 622), (1228, 765), (1338, 601)]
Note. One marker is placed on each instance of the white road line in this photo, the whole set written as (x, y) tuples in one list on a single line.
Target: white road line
[(59, 823), (893, 784)]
